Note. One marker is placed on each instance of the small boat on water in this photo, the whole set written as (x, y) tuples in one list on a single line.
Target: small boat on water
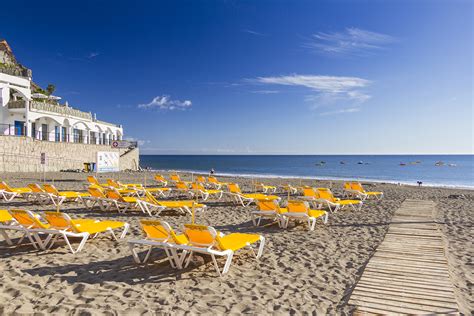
[(402, 164), (342, 162), (439, 163), (360, 162)]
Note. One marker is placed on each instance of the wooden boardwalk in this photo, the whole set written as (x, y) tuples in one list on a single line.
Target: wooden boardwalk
[(408, 273)]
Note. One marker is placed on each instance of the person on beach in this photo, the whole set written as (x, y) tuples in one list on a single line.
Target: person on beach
[(211, 172)]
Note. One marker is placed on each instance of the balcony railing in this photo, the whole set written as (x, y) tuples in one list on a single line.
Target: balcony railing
[(17, 104), (60, 109)]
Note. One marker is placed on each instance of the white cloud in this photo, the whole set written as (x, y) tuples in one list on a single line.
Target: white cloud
[(266, 91), (351, 41), (253, 32), (328, 90), (359, 96), (342, 111), (164, 102), (317, 83), (93, 55)]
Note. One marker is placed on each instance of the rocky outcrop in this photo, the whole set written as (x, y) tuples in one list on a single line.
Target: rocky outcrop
[(9, 64)]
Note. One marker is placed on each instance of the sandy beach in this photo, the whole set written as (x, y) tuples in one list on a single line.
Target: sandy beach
[(300, 271)]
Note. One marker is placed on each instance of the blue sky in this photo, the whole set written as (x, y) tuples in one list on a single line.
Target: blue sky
[(270, 77)]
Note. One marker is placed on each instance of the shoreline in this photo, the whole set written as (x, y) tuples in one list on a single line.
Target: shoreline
[(321, 178)]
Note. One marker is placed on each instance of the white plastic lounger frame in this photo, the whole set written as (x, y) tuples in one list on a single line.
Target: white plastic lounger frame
[(207, 250), (257, 217), (16, 227), (65, 234), (161, 193), (267, 188), (150, 208), (335, 206), (240, 199), (303, 217), (355, 193), (155, 209), (55, 233), (204, 193), (105, 204), (171, 251), (290, 188), (8, 196)]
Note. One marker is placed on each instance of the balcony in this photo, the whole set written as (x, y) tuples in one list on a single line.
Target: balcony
[(49, 107), (59, 109), (18, 104)]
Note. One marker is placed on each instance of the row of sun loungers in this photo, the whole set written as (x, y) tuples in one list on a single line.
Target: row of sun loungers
[(128, 196), (43, 231)]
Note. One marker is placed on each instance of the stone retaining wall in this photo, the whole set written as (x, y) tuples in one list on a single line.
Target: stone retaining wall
[(22, 154)]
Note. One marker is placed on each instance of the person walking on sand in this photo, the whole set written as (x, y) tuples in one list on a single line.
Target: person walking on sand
[(211, 172)]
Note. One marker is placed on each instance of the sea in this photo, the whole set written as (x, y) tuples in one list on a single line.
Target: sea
[(432, 170)]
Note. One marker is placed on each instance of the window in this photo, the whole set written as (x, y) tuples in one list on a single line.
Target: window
[(33, 130), (75, 135), (93, 138), (57, 134), (44, 131), (64, 134)]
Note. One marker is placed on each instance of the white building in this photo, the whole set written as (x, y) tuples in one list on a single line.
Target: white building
[(42, 117)]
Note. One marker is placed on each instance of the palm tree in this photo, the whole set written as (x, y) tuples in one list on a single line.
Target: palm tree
[(50, 89)]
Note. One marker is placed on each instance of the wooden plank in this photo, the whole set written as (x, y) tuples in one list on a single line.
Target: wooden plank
[(401, 295), (406, 262), (408, 279), (383, 267), (393, 240), (408, 272), (369, 311), (384, 308), (402, 288), (394, 270), (402, 300), (421, 305), (370, 280), (423, 262), (408, 282), (413, 253), (443, 295), (390, 269), (413, 238)]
